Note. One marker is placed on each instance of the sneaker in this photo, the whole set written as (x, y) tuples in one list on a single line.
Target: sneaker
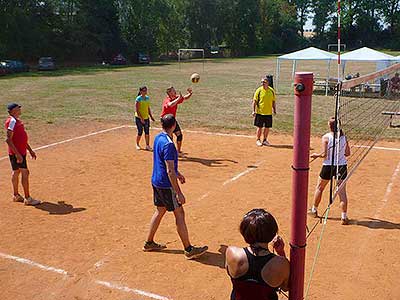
[(153, 246), (31, 201), (148, 148), (258, 143), (138, 147), (265, 143), (18, 198), (312, 213), (345, 221), (196, 252)]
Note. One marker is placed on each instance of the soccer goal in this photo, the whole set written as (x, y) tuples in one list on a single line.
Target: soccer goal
[(190, 54), (333, 47)]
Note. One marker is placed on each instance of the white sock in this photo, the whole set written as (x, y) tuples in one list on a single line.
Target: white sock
[(313, 209), (344, 215)]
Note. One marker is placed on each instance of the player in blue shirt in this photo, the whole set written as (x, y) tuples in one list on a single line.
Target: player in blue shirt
[(167, 193)]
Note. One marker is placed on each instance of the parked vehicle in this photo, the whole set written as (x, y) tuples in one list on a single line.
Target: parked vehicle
[(119, 60), (141, 58), (46, 64), (14, 66), (3, 70)]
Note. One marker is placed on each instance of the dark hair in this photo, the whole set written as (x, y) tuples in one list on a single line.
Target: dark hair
[(258, 226), (168, 121), (332, 125), (141, 89)]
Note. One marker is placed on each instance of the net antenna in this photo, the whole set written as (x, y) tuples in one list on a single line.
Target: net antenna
[(186, 54)]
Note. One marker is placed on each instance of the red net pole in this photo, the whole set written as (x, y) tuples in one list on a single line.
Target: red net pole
[(303, 83)]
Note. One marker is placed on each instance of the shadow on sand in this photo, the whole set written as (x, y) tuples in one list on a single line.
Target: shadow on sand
[(59, 208)]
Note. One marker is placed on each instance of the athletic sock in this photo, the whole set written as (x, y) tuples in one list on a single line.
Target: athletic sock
[(313, 209), (188, 249), (344, 215)]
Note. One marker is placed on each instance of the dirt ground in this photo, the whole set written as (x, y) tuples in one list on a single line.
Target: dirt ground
[(97, 204)]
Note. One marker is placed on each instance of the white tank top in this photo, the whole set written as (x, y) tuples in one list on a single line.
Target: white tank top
[(340, 146)]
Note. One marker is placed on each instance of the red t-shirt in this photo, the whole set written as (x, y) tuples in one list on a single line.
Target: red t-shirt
[(172, 109), (20, 137)]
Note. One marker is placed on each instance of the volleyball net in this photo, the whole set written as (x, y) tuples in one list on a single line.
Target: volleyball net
[(366, 106)]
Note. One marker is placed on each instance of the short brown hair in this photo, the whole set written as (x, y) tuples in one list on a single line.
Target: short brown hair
[(258, 226)]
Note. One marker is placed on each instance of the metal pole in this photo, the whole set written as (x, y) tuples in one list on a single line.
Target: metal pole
[(301, 151)]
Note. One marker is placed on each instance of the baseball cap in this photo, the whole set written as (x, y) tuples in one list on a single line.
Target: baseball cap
[(11, 106)]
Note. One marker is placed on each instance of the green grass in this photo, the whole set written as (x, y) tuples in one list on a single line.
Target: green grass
[(221, 101)]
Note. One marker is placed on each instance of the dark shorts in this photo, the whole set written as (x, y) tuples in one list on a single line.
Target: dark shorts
[(165, 198), (140, 126), (263, 121), (16, 166), (177, 128), (326, 172)]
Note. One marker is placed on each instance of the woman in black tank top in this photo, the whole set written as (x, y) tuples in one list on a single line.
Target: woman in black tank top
[(255, 272)]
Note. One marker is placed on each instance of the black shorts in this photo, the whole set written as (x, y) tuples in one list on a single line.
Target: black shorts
[(263, 121), (16, 166), (165, 198), (140, 126), (326, 172), (177, 128)]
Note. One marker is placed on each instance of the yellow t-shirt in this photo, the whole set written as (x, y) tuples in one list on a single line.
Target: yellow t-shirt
[(144, 104), (264, 98)]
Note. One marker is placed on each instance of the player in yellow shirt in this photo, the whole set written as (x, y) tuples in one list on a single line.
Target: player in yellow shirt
[(263, 107), (142, 114)]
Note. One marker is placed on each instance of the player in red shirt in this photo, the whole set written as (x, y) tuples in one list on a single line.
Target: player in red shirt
[(17, 140), (170, 106)]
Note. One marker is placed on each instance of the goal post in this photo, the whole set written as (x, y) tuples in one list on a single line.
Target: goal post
[(182, 52), (335, 46)]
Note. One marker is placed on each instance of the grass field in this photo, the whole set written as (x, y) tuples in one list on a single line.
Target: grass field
[(221, 101)]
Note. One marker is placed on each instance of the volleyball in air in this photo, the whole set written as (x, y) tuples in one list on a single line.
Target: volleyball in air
[(195, 78)]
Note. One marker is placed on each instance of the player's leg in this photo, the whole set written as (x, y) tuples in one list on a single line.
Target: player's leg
[(268, 124), (319, 189), (15, 182), (181, 226), (25, 184), (259, 124), (179, 137), (155, 222), (147, 133), (343, 194), (139, 126)]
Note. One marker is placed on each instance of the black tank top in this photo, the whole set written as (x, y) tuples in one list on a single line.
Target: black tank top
[(251, 286)]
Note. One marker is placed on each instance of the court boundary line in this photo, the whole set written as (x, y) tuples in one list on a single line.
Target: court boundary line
[(248, 170), (65, 273), (72, 139), (388, 191)]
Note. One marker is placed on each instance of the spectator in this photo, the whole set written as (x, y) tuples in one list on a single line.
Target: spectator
[(257, 273)]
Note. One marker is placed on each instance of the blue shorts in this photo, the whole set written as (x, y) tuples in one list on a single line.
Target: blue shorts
[(140, 126)]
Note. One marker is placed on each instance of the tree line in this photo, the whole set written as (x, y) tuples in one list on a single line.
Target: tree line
[(94, 30)]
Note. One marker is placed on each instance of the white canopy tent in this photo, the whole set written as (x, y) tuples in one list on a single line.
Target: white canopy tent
[(310, 53), (366, 54)]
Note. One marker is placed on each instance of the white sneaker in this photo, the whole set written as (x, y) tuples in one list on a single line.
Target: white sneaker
[(265, 143), (258, 143), (148, 148), (138, 147), (31, 201)]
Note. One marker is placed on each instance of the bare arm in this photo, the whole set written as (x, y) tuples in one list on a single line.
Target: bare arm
[(235, 261), (173, 178), (12, 146), (324, 151), (33, 154), (151, 115), (189, 94), (138, 112), (175, 101), (254, 108), (274, 107), (347, 150)]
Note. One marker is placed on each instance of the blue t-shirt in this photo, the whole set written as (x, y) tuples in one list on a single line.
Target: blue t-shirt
[(163, 149)]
